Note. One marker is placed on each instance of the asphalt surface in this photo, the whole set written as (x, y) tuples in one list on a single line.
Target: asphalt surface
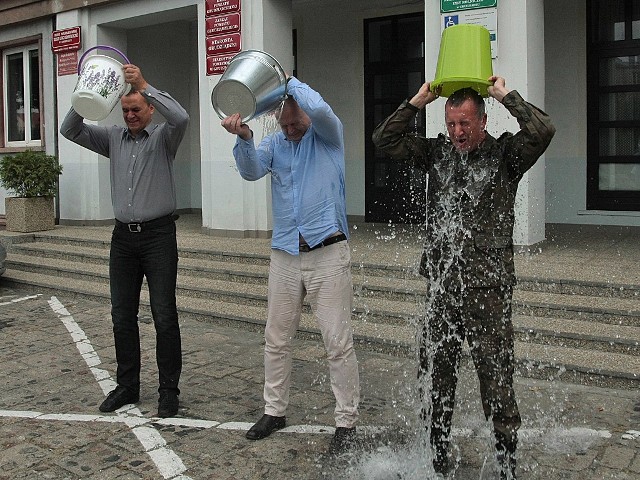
[(57, 360)]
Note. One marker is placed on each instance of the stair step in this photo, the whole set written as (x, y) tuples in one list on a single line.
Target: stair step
[(578, 365), (77, 253), (623, 311), (618, 310), (579, 287), (534, 359), (195, 274), (400, 281), (374, 310), (579, 334), (394, 297)]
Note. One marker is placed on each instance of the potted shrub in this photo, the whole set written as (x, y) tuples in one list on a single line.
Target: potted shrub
[(33, 177)]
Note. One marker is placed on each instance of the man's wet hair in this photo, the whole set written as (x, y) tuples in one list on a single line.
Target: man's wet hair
[(458, 97)]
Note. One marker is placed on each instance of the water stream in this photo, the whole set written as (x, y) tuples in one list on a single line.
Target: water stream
[(406, 454)]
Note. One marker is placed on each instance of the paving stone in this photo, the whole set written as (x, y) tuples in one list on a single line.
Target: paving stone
[(222, 382), (618, 457)]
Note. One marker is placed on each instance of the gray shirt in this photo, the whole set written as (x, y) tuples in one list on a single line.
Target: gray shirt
[(142, 177)]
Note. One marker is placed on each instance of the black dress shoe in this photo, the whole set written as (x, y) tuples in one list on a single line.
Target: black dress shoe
[(119, 397), (344, 439), (265, 426), (168, 403)]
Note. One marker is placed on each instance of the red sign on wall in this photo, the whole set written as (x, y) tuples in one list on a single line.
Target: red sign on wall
[(67, 63), (223, 44), (222, 24), (216, 7), (217, 64), (222, 33), (65, 40)]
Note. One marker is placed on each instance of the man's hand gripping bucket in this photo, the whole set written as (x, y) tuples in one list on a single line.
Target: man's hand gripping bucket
[(100, 84), (253, 84)]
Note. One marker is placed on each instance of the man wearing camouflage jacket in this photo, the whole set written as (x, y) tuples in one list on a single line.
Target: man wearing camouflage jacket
[(468, 254)]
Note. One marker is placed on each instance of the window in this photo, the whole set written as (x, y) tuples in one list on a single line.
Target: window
[(21, 96), (613, 123)]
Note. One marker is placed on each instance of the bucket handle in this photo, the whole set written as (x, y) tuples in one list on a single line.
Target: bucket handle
[(107, 47)]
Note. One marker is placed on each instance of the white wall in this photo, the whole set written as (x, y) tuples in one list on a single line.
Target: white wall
[(166, 54), (331, 60), (230, 205)]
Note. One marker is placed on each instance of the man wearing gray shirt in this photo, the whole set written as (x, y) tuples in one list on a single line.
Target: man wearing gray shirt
[(143, 242)]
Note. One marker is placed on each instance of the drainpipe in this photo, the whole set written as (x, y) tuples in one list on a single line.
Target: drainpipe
[(56, 148)]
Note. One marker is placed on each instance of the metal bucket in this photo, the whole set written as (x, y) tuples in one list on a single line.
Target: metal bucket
[(253, 84), (100, 84)]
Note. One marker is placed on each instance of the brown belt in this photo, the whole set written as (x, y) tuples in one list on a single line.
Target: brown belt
[(325, 243)]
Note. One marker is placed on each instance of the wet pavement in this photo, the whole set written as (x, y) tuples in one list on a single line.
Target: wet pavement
[(57, 362)]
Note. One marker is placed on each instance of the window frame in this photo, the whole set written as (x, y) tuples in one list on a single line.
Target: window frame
[(24, 45), (597, 198)]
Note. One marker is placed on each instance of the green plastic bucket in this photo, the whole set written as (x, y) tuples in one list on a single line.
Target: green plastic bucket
[(464, 60)]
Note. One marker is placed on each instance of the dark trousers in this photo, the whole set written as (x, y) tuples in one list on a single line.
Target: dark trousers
[(152, 253), (483, 317)]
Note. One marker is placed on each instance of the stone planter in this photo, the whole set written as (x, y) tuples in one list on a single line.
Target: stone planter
[(32, 214)]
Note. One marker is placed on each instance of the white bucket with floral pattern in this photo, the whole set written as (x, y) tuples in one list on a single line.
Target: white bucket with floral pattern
[(100, 85)]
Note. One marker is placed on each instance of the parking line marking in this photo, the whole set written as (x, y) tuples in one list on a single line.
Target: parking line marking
[(167, 462), (21, 299)]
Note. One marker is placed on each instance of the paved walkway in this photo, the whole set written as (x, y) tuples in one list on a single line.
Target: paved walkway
[(57, 362)]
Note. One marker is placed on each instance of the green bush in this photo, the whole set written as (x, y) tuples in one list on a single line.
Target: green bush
[(30, 174)]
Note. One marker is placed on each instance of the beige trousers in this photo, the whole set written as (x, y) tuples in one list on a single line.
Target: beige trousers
[(324, 277)]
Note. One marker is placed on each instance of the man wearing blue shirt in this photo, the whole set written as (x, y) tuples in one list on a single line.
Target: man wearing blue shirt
[(310, 252)]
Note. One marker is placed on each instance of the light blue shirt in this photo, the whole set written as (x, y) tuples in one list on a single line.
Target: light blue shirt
[(307, 177)]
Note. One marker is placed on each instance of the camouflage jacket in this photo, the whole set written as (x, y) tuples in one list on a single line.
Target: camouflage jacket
[(470, 197)]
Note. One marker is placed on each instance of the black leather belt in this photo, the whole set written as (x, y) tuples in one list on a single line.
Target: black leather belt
[(137, 227), (325, 243)]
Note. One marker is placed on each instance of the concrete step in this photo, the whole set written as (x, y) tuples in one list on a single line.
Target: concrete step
[(616, 303), (562, 332), (382, 299), (252, 252), (218, 265), (565, 286), (622, 311), (579, 361)]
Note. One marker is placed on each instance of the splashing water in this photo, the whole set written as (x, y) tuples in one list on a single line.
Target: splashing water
[(269, 122), (387, 463), (460, 184), (447, 233)]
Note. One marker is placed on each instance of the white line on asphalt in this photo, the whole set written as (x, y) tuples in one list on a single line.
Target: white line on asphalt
[(167, 462), (139, 422), (21, 299)]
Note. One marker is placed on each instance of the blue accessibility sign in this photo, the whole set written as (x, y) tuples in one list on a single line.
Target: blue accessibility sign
[(450, 20)]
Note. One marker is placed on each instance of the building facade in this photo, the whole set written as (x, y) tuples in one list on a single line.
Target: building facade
[(577, 60)]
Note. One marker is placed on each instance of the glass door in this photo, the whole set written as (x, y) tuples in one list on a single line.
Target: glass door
[(394, 71)]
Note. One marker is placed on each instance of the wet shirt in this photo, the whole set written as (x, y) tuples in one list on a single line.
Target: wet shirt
[(471, 196), (307, 177), (142, 172)]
